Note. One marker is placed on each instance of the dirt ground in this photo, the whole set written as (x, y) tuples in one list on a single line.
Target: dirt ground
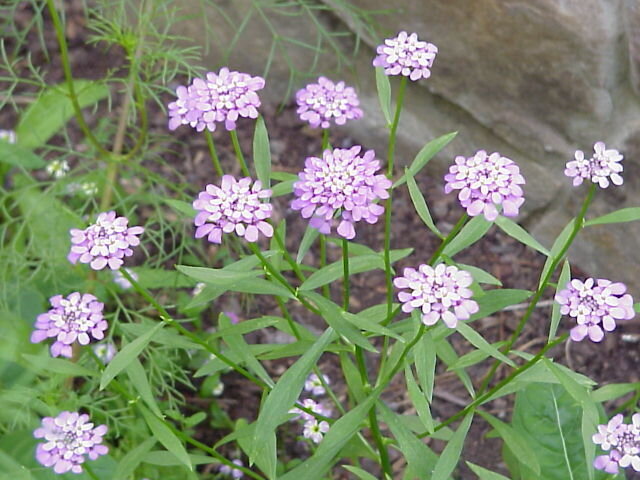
[(515, 265)]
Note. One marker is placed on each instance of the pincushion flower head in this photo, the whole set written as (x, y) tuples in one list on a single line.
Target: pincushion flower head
[(325, 102), (341, 181), (621, 441), (77, 317), (68, 439), (440, 293), (596, 304), (218, 98), (105, 243), (485, 181), (406, 55), (602, 168), (235, 206)]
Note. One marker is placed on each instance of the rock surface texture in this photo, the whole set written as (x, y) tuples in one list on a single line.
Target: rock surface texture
[(532, 79)]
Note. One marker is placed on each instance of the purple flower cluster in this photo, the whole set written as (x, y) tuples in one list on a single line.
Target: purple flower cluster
[(229, 471), (596, 304), (622, 441), (313, 428), (340, 181), (77, 317), (235, 205), (602, 168), (106, 242), (485, 181), (406, 55), (222, 97), (68, 438), (325, 101), (440, 293)]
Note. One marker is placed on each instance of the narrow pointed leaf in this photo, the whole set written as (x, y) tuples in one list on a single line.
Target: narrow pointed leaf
[(166, 437), (565, 276), (619, 216), (514, 230), (262, 153), (421, 207), (470, 234), (425, 154), (384, 93), (450, 456)]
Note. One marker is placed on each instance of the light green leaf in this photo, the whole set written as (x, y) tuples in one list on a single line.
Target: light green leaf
[(140, 382), (495, 300), (181, 207), (623, 215), (425, 358), (358, 472), (485, 474), (310, 235), (481, 344), (425, 154), (470, 234), (166, 437), (18, 156), (421, 207), (53, 108), (565, 276), (384, 93), (262, 153), (419, 399), (614, 390), (133, 458), (556, 248), (363, 322), (45, 363), (480, 275), (514, 230), (221, 277), (125, 356), (451, 454)]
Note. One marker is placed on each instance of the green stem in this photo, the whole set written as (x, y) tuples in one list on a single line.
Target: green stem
[(403, 355), (239, 155), (193, 337), (212, 151), (484, 397), (89, 471), (325, 139), (66, 67), (290, 260), (323, 263), (345, 269), (452, 234), (577, 226)]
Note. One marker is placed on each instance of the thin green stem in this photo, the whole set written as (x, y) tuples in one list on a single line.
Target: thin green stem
[(403, 355), (452, 234), (290, 260), (90, 471), (345, 269), (213, 153), (380, 444), (239, 155), (323, 263), (325, 139), (577, 226)]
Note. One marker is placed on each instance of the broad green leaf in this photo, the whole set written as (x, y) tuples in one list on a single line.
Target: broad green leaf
[(310, 235), (133, 458), (424, 354), (53, 108), (384, 93), (357, 264), (481, 344), (556, 248), (419, 457), (480, 275), (160, 278), (623, 215), (315, 467), (364, 323), (514, 230), (266, 460), (285, 393), (262, 153), (333, 315), (485, 474), (179, 206), (425, 154), (125, 356), (358, 472), (221, 277), (451, 454), (614, 390), (421, 207), (515, 440), (166, 437), (282, 188), (473, 231), (140, 382), (565, 276), (495, 300), (419, 399), (46, 363), (19, 156)]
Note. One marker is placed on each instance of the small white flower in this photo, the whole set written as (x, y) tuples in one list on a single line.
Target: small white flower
[(315, 430), (89, 188), (105, 351), (58, 168), (217, 391), (314, 385), (198, 288), (8, 136)]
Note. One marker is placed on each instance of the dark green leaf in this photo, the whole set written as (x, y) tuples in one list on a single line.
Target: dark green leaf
[(480, 343), (133, 458), (421, 207), (485, 474), (451, 454), (166, 437), (470, 234), (419, 399), (140, 382)]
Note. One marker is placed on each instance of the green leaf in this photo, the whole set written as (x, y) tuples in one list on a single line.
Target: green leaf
[(125, 356), (358, 472), (262, 153), (485, 474), (363, 322), (475, 339), (333, 315), (181, 207), (619, 216), (495, 300), (53, 108), (470, 234), (421, 207), (614, 390), (282, 188), (357, 264), (384, 93), (160, 278), (18, 156), (515, 440), (285, 393), (451, 454), (480, 275), (425, 154), (514, 230), (419, 399), (339, 434), (556, 248), (310, 235), (425, 358), (565, 276), (221, 277), (45, 363), (133, 458), (140, 382), (166, 437)]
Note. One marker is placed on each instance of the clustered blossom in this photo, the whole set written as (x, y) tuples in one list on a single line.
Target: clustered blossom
[(232, 472), (406, 55), (596, 304), (88, 189), (440, 293), (235, 205), (106, 242), (622, 441), (217, 98), (77, 317), (313, 428), (323, 102), (602, 168), (340, 181), (485, 181), (68, 438), (314, 386)]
